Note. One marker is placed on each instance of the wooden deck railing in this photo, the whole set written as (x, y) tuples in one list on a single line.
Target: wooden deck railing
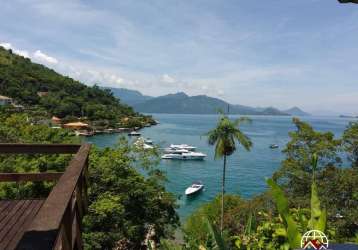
[(57, 225)]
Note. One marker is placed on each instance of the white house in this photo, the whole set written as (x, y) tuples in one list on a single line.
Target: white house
[(4, 100)]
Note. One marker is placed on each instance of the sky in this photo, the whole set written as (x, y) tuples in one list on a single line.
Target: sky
[(279, 53)]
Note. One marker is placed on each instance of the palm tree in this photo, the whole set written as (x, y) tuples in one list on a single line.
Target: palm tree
[(224, 137)]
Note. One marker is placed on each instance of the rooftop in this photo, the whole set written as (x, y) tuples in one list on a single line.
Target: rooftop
[(4, 97)]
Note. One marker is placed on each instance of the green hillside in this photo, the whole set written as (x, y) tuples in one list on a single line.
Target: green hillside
[(22, 79)]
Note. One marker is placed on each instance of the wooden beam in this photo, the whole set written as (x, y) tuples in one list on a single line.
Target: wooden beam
[(43, 232), (11, 148), (23, 177)]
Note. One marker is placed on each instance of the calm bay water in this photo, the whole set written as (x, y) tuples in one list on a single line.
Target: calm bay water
[(246, 171)]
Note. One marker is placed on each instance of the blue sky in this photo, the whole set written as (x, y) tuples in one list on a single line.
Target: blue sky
[(278, 53)]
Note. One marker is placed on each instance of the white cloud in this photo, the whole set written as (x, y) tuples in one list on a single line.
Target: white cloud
[(221, 93), (6, 45), (167, 79), (42, 57), (23, 53)]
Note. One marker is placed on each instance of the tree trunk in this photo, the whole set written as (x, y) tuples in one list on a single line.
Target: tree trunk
[(222, 197)]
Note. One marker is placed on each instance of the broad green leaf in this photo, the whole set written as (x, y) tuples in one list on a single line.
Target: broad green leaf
[(318, 216), (219, 241), (279, 198), (248, 225), (293, 235), (281, 232)]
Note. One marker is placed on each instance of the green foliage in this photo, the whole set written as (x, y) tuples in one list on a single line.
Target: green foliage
[(16, 128), (293, 235), (269, 234), (19, 128), (350, 143), (318, 215), (337, 187), (22, 80), (225, 135), (296, 170), (169, 245), (124, 204), (255, 224), (196, 231)]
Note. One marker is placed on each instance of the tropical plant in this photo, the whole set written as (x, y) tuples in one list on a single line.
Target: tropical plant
[(296, 170), (124, 205), (224, 136), (350, 143), (318, 215)]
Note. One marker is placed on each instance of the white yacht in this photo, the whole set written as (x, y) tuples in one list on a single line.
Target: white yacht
[(182, 146), (134, 133), (194, 188), (184, 155), (173, 150)]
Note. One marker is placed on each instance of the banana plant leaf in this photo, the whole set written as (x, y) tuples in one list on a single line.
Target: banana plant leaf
[(318, 215), (219, 240), (293, 235)]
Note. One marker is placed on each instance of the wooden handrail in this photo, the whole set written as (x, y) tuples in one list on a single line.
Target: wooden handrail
[(59, 219), (23, 177), (11, 148)]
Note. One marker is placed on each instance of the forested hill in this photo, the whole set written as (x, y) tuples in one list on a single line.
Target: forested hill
[(181, 103), (62, 96)]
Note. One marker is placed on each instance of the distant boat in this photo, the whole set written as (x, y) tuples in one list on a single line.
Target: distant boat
[(273, 146), (184, 155), (194, 188), (84, 133), (134, 133), (148, 141), (182, 146)]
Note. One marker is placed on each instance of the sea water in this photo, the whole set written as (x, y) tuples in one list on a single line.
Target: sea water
[(246, 171)]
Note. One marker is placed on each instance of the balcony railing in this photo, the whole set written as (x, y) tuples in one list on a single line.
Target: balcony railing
[(54, 222)]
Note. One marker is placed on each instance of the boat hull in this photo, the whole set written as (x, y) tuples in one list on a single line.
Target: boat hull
[(191, 191), (183, 157)]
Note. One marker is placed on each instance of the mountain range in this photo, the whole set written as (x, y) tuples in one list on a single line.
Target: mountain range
[(181, 103), (128, 96)]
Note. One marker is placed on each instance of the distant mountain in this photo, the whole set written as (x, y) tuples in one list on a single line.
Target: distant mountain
[(129, 97), (295, 111), (181, 103)]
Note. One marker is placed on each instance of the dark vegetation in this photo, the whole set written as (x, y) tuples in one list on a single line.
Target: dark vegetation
[(125, 205), (62, 96)]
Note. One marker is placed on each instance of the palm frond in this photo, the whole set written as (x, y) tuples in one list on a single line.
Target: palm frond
[(242, 120), (244, 140), (219, 149), (213, 136)]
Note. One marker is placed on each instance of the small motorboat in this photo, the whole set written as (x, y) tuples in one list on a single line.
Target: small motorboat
[(194, 188), (182, 146), (134, 133), (184, 155), (273, 146)]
